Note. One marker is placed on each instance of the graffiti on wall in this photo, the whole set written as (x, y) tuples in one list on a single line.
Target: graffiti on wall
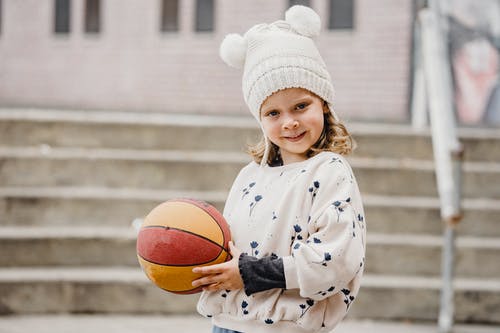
[(475, 59)]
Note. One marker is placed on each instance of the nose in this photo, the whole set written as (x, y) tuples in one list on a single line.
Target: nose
[(290, 123)]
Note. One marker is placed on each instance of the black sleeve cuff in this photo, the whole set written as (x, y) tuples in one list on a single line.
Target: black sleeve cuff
[(261, 274)]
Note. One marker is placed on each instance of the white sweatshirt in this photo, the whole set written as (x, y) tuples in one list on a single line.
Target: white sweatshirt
[(309, 214)]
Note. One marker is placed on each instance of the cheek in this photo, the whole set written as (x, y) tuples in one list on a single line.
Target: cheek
[(317, 123), (269, 128)]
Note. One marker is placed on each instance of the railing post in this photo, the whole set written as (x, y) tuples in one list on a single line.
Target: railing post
[(447, 308), (448, 152)]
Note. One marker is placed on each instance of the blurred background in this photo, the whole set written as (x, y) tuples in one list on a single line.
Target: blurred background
[(109, 107)]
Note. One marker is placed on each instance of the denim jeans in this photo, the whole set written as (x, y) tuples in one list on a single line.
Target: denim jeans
[(216, 329)]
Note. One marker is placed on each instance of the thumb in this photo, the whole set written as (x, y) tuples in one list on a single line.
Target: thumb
[(233, 250)]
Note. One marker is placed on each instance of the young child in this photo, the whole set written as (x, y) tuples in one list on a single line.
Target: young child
[(296, 211)]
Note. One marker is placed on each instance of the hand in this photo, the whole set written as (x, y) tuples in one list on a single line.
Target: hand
[(225, 276)]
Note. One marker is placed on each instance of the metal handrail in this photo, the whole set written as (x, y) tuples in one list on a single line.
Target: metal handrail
[(448, 151)]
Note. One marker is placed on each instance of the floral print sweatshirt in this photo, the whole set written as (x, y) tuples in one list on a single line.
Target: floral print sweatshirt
[(309, 216)]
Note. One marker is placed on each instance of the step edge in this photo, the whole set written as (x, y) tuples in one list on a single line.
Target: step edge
[(135, 275), (429, 240), (109, 193), (216, 156), (127, 232), (126, 118), (118, 154), (69, 232), (206, 120)]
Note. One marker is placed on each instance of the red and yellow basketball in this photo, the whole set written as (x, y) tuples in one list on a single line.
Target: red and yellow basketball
[(177, 236)]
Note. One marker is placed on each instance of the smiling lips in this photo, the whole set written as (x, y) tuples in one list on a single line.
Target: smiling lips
[(296, 137)]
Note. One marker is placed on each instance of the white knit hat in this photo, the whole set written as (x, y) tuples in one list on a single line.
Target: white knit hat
[(279, 55)]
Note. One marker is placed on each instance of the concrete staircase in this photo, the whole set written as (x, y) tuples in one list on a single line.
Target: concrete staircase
[(71, 182)]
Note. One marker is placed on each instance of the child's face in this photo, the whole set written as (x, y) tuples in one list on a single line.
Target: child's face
[(293, 120)]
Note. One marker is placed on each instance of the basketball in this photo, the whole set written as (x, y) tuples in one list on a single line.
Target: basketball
[(177, 236)]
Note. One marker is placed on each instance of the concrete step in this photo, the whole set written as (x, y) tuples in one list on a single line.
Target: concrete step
[(420, 255), (194, 323), (213, 170), (95, 129), (417, 298), (117, 168), (42, 206), (115, 246), (401, 141), (421, 215), (411, 177), (127, 290), (68, 246), (85, 290), (131, 323)]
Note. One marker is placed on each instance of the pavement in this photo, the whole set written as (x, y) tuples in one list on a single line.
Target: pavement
[(191, 324)]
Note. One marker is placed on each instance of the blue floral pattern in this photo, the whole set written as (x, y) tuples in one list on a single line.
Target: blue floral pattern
[(327, 257), (247, 189), (314, 190), (254, 203), (254, 246), (360, 222), (325, 292), (244, 307), (305, 307), (338, 206), (335, 160), (297, 234), (348, 298)]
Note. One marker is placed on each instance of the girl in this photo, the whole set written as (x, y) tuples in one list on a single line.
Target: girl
[(295, 211)]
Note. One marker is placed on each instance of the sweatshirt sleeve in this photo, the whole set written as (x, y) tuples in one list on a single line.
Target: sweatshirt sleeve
[(259, 274), (333, 253)]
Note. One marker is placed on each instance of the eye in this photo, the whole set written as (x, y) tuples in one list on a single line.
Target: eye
[(272, 114), (301, 106)]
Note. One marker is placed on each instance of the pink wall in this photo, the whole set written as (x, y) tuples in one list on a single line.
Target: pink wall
[(130, 65)]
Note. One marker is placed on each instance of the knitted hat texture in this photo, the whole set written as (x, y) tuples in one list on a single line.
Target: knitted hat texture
[(277, 56)]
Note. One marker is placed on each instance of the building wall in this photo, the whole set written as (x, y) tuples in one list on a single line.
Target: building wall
[(131, 65)]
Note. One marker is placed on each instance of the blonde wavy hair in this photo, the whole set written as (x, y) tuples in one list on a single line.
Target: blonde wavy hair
[(334, 138)]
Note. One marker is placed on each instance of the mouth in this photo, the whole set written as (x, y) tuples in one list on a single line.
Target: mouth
[(295, 138)]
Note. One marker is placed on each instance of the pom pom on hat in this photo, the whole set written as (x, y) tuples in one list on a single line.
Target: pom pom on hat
[(233, 50), (304, 20)]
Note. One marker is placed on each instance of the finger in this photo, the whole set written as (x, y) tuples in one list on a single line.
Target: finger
[(206, 270), (233, 247), (229, 250), (213, 287), (233, 250), (204, 281)]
